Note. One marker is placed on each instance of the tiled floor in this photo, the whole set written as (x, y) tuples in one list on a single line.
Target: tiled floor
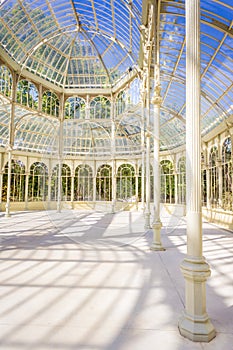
[(89, 281)]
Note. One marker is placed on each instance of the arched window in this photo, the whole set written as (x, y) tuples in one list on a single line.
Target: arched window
[(38, 182), (65, 183), (104, 183), (100, 108), (167, 182), (125, 182), (5, 81), (17, 193), (181, 181), (27, 94), (214, 191), (75, 108), (121, 102), (227, 197), (83, 183), (50, 103)]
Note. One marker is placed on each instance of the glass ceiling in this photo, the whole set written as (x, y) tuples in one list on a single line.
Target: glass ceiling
[(93, 43), (76, 43)]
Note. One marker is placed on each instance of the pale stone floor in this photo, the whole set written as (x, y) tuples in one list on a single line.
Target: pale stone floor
[(89, 281)]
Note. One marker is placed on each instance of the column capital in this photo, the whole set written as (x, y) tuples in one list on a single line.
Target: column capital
[(157, 99)]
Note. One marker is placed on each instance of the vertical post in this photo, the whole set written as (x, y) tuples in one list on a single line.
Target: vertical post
[(231, 198), (136, 186), (26, 189), (11, 143), (113, 185), (94, 182), (219, 173), (1, 183), (147, 135), (49, 188), (143, 158), (194, 323), (156, 101), (7, 214), (72, 186), (113, 150), (157, 225), (60, 154)]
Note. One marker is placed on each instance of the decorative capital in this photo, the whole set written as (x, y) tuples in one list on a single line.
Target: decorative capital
[(157, 99)]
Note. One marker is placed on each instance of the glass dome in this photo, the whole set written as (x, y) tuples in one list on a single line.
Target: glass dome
[(96, 48), (73, 44)]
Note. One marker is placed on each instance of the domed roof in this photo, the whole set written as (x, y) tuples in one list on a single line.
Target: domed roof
[(72, 43)]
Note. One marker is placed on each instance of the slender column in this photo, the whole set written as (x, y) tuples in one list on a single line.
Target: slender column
[(11, 143), (72, 188), (26, 189), (231, 135), (143, 162), (59, 189), (87, 115), (49, 189), (7, 214), (147, 135), (60, 155), (219, 172), (113, 185), (147, 211), (136, 186), (208, 202), (157, 225), (113, 146), (1, 178), (194, 323), (1, 183), (94, 182), (176, 187)]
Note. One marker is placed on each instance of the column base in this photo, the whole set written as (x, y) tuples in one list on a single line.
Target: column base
[(113, 206), (194, 324), (157, 247), (147, 221), (7, 213), (197, 329), (156, 244)]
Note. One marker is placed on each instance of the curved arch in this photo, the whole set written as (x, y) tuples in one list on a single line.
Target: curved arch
[(5, 81), (27, 94), (50, 103), (83, 183)]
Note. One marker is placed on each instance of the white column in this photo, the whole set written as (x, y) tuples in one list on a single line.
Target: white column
[(94, 182), (72, 188), (147, 211), (194, 323), (219, 172), (49, 189), (60, 154), (136, 186), (113, 151), (7, 214), (26, 189), (231, 208), (113, 185), (157, 225), (1, 183), (143, 163), (11, 143), (148, 136)]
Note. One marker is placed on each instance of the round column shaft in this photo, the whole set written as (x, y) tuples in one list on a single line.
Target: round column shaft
[(157, 225), (194, 324)]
